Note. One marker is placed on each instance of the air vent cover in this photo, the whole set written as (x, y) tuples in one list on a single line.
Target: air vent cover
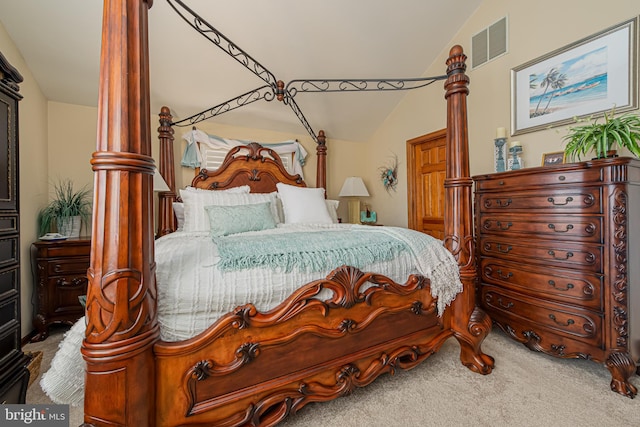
[(489, 43)]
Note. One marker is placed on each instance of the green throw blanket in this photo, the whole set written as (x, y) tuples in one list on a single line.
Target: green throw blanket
[(307, 251)]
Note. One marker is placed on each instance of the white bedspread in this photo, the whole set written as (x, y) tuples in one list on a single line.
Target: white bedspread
[(193, 292)]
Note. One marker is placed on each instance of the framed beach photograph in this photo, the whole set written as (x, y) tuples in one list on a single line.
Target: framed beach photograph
[(588, 77), (553, 159)]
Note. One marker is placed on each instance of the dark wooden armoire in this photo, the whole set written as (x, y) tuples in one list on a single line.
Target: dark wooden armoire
[(14, 375)]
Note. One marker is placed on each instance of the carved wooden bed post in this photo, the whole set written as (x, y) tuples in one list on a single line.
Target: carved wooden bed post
[(167, 220), (321, 152), (121, 299), (470, 325)]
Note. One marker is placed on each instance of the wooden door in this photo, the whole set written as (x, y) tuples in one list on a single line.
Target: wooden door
[(425, 182)]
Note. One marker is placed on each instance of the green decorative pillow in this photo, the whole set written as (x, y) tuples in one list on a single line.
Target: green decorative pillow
[(225, 220)]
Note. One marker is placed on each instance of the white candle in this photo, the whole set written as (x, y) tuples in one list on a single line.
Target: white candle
[(501, 133), (515, 144)]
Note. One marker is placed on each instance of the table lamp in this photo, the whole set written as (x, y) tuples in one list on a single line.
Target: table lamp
[(353, 188)]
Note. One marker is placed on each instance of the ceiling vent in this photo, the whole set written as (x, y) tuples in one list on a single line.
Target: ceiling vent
[(489, 43)]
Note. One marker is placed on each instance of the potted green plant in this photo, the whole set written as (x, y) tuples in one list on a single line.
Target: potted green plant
[(601, 138), (66, 210)]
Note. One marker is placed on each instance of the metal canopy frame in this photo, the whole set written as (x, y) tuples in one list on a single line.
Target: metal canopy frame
[(276, 89)]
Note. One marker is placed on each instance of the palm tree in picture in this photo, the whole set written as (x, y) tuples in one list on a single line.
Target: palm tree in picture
[(549, 81), (558, 83)]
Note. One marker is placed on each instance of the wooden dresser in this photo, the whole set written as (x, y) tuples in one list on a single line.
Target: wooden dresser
[(14, 375), (60, 277), (559, 260)]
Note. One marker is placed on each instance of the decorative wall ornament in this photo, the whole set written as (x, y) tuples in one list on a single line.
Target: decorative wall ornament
[(389, 174)]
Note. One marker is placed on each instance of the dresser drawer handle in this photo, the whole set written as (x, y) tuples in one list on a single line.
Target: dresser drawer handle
[(562, 178), (552, 283), (553, 227), (503, 227), (506, 306), (503, 204), (566, 201), (569, 322), (505, 277), (566, 257), (504, 251)]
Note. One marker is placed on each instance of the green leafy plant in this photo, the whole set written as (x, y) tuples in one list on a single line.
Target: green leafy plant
[(66, 203), (621, 132)]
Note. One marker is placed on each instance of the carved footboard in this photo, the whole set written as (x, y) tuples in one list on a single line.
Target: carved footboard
[(256, 368)]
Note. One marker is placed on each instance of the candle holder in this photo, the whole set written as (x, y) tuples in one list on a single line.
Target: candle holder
[(516, 161), (500, 154)]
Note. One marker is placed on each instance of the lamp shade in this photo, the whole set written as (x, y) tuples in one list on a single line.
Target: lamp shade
[(159, 184), (353, 187)]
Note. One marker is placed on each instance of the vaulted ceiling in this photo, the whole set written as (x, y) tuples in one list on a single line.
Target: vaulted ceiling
[(293, 39)]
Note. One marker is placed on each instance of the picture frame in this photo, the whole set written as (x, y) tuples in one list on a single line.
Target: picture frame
[(588, 77), (553, 159)]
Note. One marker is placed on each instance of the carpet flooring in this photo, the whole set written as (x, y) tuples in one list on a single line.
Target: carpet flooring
[(526, 389)]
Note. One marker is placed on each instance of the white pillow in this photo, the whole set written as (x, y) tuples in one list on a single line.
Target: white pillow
[(279, 207), (303, 205), (332, 207), (195, 216), (178, 207), (178, 210)]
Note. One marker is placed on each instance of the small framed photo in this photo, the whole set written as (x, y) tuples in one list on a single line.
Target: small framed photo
[(553, 159)]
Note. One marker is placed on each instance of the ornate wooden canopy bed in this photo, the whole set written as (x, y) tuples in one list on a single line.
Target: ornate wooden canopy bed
[(251, 366)]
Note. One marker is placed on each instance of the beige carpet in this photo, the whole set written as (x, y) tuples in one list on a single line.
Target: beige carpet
[(525, 389)]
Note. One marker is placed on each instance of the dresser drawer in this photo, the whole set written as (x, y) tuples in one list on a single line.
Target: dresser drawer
[(9, 251), (561, 285), (514, 181), (554, 201), (9, 223), (572, 322), (583, 256), (9, 282), (576, 228)]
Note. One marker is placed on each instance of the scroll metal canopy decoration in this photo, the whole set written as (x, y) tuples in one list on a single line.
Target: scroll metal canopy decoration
[(277, 89)]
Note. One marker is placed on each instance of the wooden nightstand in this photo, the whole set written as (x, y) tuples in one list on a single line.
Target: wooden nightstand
[(60, 276)]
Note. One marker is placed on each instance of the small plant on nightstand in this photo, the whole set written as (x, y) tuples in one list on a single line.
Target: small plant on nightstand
[(66, 205)]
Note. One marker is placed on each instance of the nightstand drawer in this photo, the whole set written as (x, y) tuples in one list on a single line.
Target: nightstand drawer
[(68, 250), (68, 266), (65, 297), (561, 285), (583, 256), (576, 228), (568, 321), (553, 201)]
